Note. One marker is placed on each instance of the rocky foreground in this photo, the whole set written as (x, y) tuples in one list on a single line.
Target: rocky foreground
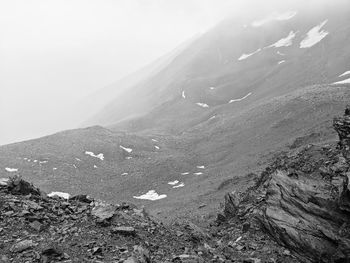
[(298, 211)]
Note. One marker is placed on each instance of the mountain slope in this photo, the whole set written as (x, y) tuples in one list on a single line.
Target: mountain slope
[(202, 159), (252, 58)]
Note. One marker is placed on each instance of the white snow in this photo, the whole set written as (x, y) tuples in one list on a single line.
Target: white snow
[(4, 181), (99, 156), (345, 81), (345, 73), (11, 170), (280, 62), (314, 36), (280, 53), (60, 194), (157, 147), (129, 157), (129, 150), (124, 174), (246, 96), (245, 56), (35, 161), (285, 42), (154, 140), (274, 17), (212, 88), (41, 162), (179, 185), (54, 168), (199, 173), (151, 195), (202, 105), (185, 173), (213, 117), (201, 167), (78, 159), (95, 166), (74, 166), (174, 182), (183, 94)]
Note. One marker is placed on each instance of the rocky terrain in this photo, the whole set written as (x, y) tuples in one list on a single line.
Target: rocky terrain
[(37, 228), (297, 211)]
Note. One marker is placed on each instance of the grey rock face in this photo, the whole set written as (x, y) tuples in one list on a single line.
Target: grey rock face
[(303, 200)]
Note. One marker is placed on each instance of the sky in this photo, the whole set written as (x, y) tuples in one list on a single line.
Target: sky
[(53, 53)]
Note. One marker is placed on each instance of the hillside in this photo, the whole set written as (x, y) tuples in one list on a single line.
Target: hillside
[(240, 60), (296, 210), (210, 155)]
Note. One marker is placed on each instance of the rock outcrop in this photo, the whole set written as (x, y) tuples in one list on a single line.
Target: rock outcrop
[(303, 200)]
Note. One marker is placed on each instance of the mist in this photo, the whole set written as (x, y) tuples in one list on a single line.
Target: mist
[(54, 53)]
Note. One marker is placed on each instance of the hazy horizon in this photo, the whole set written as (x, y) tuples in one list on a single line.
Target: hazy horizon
[(54, 53)]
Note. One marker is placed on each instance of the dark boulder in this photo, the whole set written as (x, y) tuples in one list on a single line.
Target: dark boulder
[(303, 200)]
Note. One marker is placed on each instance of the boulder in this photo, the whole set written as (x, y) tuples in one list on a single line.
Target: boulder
[(303, 200)]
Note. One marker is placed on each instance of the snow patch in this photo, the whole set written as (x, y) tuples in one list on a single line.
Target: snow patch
[(129, 150), (212, 88), (154, 140), (199, 173), (285, 42), (174, 182), (59, 194), (78, 159), (179, 185), (246, 96), (245, 56), (151, 195), (11, 170), (345, 73), (314, 36), (183, 94), (185, 173), (280, 53), (4, 181), (274, 17), (99, 156), (95, 166), (201, 167), (280, 62), (129, 157), (157, 147), (203, 105), (345, 81)]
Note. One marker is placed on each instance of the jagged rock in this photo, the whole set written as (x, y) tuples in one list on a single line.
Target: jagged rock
[(103, 212), (16, 185), (82, 198), (196, 233), (22, 245), (303, 200), (342, 127), (124, 230), (50, 253), (36, 226)]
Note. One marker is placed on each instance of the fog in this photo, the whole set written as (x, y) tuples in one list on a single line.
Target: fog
[(53, 53)]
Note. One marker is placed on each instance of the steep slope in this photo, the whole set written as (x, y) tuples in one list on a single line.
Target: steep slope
[(246, 60), (95, 103), (302, 199), (187, 168)]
